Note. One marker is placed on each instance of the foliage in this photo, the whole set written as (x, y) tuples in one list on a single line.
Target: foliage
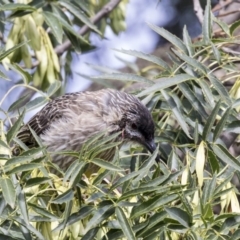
[(48, 28), (192, 196)]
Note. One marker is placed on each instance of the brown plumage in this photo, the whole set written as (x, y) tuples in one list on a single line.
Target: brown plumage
[(68, 121)]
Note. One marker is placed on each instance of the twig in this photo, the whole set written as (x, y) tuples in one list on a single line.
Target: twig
[(221, 5), (198, 10), (60, 49)]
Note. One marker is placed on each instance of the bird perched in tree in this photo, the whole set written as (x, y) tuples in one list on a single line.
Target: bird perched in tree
[(68, 121)]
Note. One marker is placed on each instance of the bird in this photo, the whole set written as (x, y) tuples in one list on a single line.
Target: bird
[(68, 121)]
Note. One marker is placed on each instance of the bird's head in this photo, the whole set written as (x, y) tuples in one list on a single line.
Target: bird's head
[(135, 123)]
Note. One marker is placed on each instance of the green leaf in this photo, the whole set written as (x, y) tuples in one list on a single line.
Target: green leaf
[(221, 124), (42, 211), (152, 204), (191, 61), (223, 25), (100, 215), (64, 197), (14, 129), (162, 83), (2, 75), (216, 53), (170, 37), (16, 7), (207, 92), (219, 88), (214, 163), (54, 24), (69, 28), (8, 191), (9, 51), (23, 206), (125, 226), (188, 42), (177, 113), (35, 103), (24, 167), (207, 22), (148, 57), (53, 88), (225, 156), (91, 234), (19, 103), (180, 215), (210, 121), (126, 77), (80, 15), (36, 181), (186, 90), (234, 26), (208, 190), (25, 75), (138, 191), (106, 165)]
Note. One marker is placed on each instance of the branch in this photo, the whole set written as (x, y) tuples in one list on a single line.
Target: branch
[(60, 49)]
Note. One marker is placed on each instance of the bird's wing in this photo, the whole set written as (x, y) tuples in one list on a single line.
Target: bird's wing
[(42, 120)]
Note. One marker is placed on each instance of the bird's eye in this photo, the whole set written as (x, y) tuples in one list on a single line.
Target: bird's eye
[(134, 126)]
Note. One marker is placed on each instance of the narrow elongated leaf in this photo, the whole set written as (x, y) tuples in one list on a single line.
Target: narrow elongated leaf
[(162, 83), (208, 190), (219, 88), (176, 112), (191, 61), (128, 77), (148, 57), (43, 211), (8, 191), (36, 181), (23, 206), (170, 37), (64, 197), (152, 204), (16, 6), (200, 161), (207, 92), (192, 99), (207, 21), (2, 75), (53, 88), (79, 14), (55, 25), (188, 42), (126, 228), (24, 167), (69, 28), (221, 124), (9, 51), (25, 75), (14, 129), (91, 234), (138, 191), (181, 216), (234, 26), (210, 121), (216, 53), (225, 156), (16, 105), (106, 165), (35, 103), (100, 215)]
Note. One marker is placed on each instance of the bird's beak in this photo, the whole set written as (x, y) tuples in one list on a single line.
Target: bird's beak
[(151, 147)]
